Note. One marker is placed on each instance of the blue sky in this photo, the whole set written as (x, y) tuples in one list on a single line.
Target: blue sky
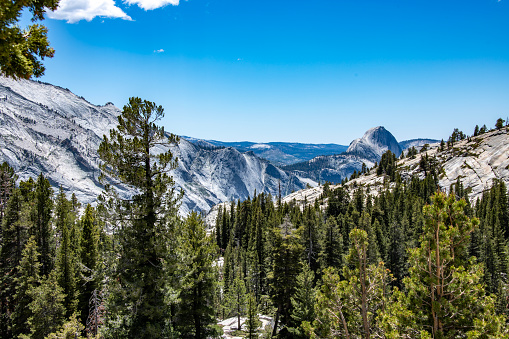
[(301, 71)]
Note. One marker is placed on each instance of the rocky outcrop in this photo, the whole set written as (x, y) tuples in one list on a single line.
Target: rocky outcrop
[(476, 162), (375, 142), (47, 129)]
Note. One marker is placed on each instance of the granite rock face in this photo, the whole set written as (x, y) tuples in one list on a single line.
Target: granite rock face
[(375, 142), (476, 162), (48, 129)]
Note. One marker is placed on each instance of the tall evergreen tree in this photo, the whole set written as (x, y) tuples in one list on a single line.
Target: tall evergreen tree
[(303, 302), (252, 320), (332, 245), (42, 229), (146, 220), (349, 307), (13, 238), (27, 280), (67, 261), (89, 277), (287, 251), (236, 299), (195, 315), (500, 123)]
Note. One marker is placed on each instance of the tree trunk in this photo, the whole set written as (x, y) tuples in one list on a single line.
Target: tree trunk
[(362, 267), (274, 330)]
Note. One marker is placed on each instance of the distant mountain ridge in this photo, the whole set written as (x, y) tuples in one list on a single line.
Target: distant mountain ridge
[(279, 153), (374, 143), (365, 150)]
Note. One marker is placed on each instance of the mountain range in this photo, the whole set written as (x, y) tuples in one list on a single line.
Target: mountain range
[(288, 153), (475, 161), (48, 129)]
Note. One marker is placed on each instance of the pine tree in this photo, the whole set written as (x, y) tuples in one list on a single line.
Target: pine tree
[(476, 130), (499, 124), (303, 302), (252, 321), (350, 307), (195, 315), (332, 245), (12, 242), (21, 50), (16, 228), (146, 219), (67, 261), (47, 308), (309, 235), (89, 260), (27, 280), (236, 299), (287, 250), (367, 283), (42, 227), (445, 298), (69, 330)]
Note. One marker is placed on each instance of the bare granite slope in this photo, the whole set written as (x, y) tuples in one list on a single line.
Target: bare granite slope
[(476, 162)]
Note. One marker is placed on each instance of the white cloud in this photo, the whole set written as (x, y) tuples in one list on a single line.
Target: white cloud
[(76, 10), (152, 4), (159, 51)]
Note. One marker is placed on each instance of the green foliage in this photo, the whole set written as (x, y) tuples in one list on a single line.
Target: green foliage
[(412, 152), (26, 281), (331, 254), (90, 265), (236, 300), (303, 302), (47, 308), (7, 184), (195, 313), (286, 267), (14, 236), (499, 124), (388, 165), (67, 260), (143, 237), (252, 320), (22, 51), (69, 330), (338, 201), (456, 135), (489, 242), (445, 295), (41, 216)]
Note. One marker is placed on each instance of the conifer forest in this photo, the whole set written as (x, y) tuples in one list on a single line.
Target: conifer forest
[(408, 262)]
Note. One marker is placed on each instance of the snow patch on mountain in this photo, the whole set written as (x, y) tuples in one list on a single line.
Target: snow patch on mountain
[(261, 146)]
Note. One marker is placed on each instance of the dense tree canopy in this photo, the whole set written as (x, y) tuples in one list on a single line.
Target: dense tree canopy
[(407, 262)]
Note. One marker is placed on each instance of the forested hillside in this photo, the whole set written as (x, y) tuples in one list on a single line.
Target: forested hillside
[(404, 260)]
